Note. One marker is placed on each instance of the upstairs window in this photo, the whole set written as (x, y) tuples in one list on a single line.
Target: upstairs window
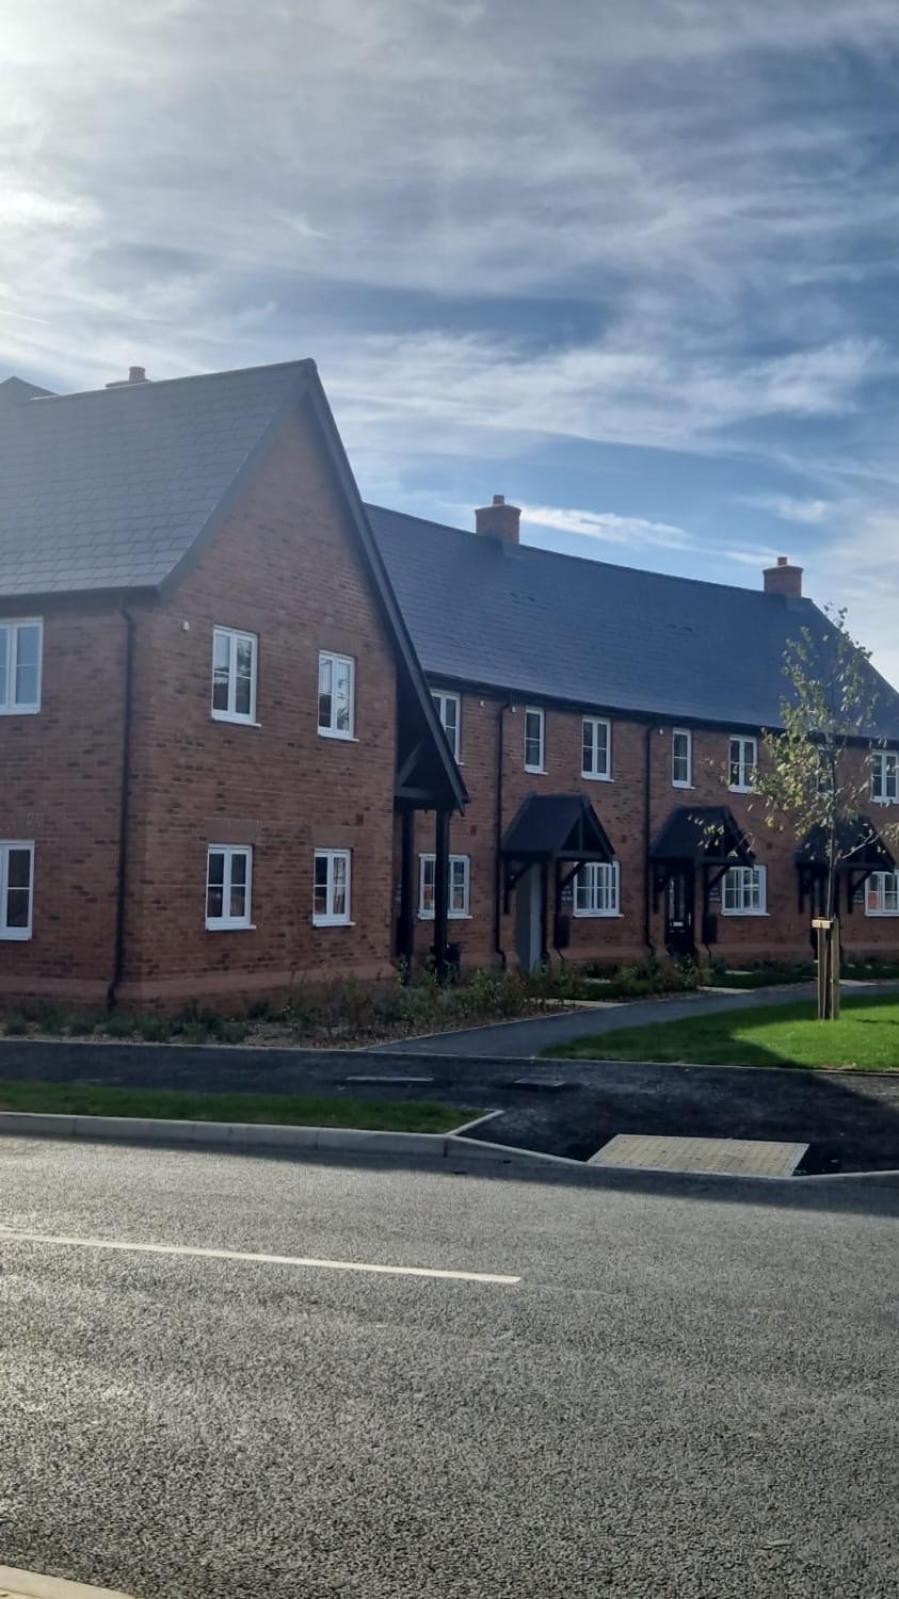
[(742, 763), (16, 883), (457, 889), (597, 889), (331, 888), (229, 882), (20, 667), (447, 708), (884, 776), (336, 695), (533, 740), (596, 740), (745, 891), (681, 758), (233, 675), (882, 894)]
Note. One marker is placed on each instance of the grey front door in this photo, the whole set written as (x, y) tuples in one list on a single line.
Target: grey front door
[(529, 919)]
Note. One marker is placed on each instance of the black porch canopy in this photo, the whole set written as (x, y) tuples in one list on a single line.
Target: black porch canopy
[(553, 827), (863, 851), (701, 835)]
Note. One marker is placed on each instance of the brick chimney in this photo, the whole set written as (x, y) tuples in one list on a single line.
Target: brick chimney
[(784, 579), (136, 374), (499, 520)]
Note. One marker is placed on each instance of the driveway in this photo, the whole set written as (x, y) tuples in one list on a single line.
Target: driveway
[(677, 1396)]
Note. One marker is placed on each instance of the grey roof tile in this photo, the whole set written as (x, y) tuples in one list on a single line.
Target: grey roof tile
[(592, 634), (109, 489)]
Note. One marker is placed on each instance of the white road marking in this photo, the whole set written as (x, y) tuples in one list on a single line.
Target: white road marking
[(18, 1236), (31, 1585)]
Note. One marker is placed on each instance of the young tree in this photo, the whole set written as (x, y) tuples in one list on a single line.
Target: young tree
[(816, 779)]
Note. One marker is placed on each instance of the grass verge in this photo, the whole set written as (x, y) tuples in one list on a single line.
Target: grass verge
[(866, 1038), (174, 1104)]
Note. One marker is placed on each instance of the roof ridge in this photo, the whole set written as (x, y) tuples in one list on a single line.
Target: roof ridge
[(303, 364), (590, 560)]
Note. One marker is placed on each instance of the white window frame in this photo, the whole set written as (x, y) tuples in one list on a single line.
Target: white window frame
[(681, 782), (879, 785), (228, 923), (12, 626), (427, 866), (598, 886), (594, 723), (745, 891), (443, 697), (746, 762), (535, 710), (328, 918), (15, 934), (234, 636), (879, 879), (332, 730)]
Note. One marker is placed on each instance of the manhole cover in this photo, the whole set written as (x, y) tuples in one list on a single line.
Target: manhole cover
[(733, 1157)]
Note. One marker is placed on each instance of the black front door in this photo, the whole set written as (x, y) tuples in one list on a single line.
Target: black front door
[(679, 912)]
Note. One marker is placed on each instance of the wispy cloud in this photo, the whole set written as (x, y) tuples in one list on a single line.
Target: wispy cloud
[(791, 508)]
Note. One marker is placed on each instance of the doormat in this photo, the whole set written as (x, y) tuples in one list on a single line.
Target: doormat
[(732, 1157)]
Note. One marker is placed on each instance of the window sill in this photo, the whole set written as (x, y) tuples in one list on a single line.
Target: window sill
[(339, 738), (536, 771), (676, 784), (230, 927), (597, 777), (14, 935), (331, 921), (19, 710), (598, 916), (873, 916), (875, 801), (451, 916), (740, 788), (234, 721), (737, 915)]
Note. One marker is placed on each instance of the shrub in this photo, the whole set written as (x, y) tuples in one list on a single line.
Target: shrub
[(15, 1024)]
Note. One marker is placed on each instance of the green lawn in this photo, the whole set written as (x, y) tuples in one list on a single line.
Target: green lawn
[(298, 1110), (866, 1038)]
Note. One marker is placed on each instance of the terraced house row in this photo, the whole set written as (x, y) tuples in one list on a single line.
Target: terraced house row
[(254, 731)]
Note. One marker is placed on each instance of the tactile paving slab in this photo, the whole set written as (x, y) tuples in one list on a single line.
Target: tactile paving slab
[(732, 1157)]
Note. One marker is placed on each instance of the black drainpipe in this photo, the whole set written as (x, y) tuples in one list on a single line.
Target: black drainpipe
[(647, 838), (122, 868), (498, 838)]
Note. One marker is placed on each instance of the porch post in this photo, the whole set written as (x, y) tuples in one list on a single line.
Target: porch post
[(407, 888), (441, 876)]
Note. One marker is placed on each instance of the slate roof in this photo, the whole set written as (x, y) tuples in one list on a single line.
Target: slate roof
[(110, 489), (595, 635)]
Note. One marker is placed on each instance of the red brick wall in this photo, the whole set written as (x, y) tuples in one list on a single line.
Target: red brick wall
[(782, 934), (284, 566), (59, 787)]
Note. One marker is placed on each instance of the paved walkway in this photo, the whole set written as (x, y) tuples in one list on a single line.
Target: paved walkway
[(525, 1039)]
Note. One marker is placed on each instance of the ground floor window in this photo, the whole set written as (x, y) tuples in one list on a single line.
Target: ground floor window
[(229, 880), (457, 895), (745, 891), (597, 889), (331, 888), (882, 894), (16, 883)]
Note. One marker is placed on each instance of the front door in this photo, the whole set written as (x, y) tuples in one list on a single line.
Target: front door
[(679, 913), (529, 919)]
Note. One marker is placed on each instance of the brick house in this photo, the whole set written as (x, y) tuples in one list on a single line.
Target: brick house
[(222, 684), (212, 710), (572, 687)]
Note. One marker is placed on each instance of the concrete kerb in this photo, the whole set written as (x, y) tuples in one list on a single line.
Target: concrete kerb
[(262, 1137)]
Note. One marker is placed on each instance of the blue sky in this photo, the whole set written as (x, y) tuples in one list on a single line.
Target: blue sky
[(633, 265)]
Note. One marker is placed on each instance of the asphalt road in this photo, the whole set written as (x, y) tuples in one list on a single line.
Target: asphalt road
[(691, 1390)]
